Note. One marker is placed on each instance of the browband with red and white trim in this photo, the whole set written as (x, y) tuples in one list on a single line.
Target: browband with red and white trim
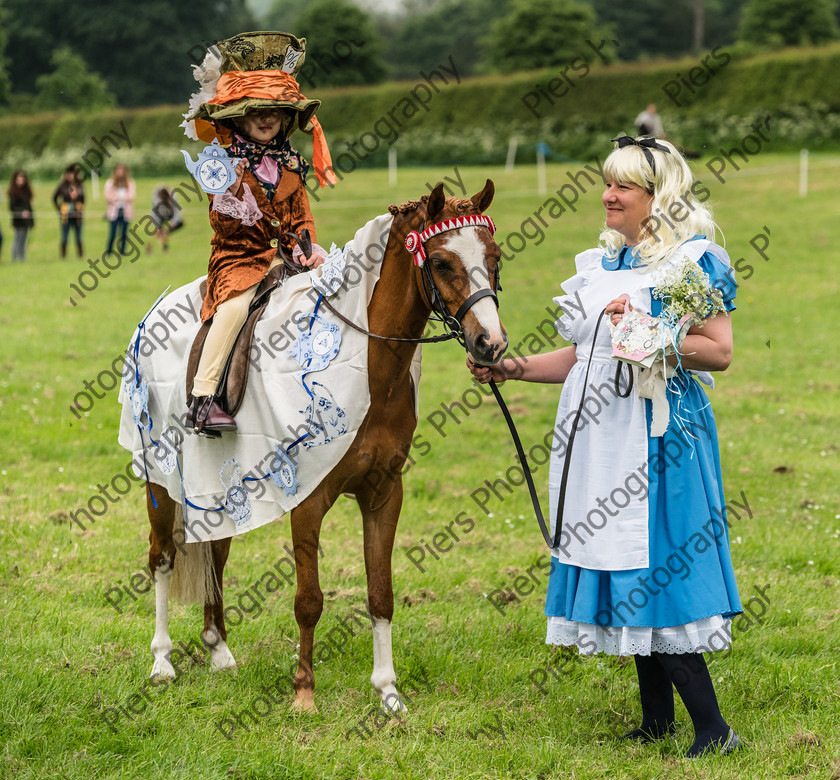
[(414, 241)]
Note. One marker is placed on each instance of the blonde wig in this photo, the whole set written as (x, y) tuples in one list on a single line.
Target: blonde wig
[(676, 214)]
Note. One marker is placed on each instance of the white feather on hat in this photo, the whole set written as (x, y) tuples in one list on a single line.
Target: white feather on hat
[(207, 75)]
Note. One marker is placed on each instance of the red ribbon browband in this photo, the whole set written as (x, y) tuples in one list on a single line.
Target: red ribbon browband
[(414, 241)]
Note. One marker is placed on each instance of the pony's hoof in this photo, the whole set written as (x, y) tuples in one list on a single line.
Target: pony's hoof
[(222, 661), (305, 703), (392, 704), (162, 669)]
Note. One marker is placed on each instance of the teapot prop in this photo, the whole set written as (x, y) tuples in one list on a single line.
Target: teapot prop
[(213, 170)]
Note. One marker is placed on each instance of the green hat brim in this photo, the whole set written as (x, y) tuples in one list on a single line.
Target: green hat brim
[(302, 110)]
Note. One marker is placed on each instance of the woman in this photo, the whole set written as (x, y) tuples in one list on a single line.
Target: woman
[(20, 204), (119, 196), (69, 200), (642, 565)]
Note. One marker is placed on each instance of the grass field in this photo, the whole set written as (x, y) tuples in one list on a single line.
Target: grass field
[(70, 665)]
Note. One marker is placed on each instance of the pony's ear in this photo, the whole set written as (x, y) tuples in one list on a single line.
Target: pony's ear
[(483, 199), (436, 202)]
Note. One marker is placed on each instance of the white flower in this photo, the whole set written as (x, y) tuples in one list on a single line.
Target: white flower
[(207, 75), (686, 289)]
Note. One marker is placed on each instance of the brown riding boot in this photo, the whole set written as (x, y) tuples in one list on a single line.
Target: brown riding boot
[(79, 249), (63, 250), (207, 416)]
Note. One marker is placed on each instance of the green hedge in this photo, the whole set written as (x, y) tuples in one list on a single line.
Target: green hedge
[(472, 122)]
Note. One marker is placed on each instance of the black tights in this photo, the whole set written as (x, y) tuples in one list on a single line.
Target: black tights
[(688, 673)]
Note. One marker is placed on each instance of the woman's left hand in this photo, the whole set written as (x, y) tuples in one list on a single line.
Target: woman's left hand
[(617, 308), (319, 254)]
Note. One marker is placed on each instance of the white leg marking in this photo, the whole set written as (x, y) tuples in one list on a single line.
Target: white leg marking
[(161, 642), (384, 679), (468, 246), (220, 656)]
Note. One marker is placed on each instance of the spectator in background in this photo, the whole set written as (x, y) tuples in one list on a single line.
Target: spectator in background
[(119, 196), (20, 204), (69, 200), (165, 214), (649, 123)]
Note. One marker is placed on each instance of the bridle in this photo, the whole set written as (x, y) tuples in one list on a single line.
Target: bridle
[(415, 243)]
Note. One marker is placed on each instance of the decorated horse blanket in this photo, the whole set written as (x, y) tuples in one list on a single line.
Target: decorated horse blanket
[(306, 398)]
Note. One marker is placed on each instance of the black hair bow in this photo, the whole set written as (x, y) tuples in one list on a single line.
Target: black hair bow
[(645, 144)]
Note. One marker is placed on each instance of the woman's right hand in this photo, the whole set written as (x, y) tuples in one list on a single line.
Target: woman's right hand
[(497, 373), (617, 308)]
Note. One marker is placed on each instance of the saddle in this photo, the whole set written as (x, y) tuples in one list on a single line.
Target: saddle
[(231, 389)]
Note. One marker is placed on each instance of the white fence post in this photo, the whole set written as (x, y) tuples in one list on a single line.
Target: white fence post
[(392, 166), (511, 154), (803, 173)]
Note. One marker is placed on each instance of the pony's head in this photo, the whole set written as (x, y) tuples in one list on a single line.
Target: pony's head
[(463, 262)]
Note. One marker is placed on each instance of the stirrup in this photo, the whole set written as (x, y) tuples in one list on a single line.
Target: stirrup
[(211, 418), (198, 415)]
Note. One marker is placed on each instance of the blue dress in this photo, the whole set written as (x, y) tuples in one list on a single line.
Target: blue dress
[(667, 583)]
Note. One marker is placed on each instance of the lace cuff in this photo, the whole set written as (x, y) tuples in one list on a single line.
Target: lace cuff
[(245, 210)]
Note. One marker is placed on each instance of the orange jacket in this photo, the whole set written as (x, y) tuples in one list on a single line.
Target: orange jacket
[(240, 254)]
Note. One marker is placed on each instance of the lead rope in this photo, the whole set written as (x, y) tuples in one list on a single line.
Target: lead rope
[(561, 499)]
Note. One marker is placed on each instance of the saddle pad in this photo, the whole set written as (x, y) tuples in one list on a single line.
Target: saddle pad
[(246, 479)]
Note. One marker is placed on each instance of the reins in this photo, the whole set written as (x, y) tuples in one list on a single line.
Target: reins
[(360, 329), (456, 332)]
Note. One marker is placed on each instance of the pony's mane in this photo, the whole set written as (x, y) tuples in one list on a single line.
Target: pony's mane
[(460, 205), (411, 205)]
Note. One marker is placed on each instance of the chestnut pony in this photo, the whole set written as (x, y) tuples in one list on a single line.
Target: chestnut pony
[(462, 262)]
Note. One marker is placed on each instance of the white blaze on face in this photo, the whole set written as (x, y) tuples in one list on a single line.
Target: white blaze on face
[(468, 246)]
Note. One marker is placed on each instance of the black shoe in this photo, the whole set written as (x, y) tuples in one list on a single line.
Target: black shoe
[(653, 734), (733, 743)]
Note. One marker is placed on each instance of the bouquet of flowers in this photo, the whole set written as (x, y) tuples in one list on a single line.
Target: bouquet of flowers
[(688, 298), (686, 291)]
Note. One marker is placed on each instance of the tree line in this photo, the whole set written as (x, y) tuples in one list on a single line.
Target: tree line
[(56, 55)]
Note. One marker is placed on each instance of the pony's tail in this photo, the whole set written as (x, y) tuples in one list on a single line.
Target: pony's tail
[(193, 574)]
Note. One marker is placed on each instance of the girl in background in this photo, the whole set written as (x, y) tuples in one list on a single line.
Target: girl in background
[(69, 200), (119, 195), (20, 204), (166, 215)]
